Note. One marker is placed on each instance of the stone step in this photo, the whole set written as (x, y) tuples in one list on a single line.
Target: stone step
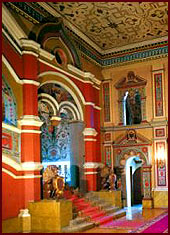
[(102, 205), (111, 209), (113, 216), (90, 209), (119, 214), (77, 221), (78, 228)]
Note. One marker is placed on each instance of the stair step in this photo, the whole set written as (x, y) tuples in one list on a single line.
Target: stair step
[(110, 210), (90, 209), (78, 228), (97, 215), (119, 213), (79, 200), (77, 220), (110, 217)]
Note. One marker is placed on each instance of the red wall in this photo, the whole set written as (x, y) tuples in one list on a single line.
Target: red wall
[(12, 196)]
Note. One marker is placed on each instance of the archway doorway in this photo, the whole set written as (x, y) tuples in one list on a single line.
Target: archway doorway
[(62, 144), (133, 181)]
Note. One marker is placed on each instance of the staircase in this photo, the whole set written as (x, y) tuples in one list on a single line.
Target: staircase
[(91, 211)]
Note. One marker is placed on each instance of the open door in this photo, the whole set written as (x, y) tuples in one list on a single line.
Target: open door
[(137, 190)]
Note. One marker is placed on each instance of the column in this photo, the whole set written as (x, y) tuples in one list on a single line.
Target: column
[(30, 124), (92, 137), (90, 165)]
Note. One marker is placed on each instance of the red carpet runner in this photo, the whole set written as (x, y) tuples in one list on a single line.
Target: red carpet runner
[(85, 209), (158, 225)]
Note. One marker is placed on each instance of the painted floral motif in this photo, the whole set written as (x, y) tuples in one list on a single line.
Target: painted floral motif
[(55, 140), (8, 104)]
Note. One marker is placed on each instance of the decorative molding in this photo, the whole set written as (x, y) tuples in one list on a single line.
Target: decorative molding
[(31, 131), (32, 82), (11, 24), (46, 54), (119, 128), (90, 173), (26, 166), (87, 75), (11, 40), (106, 101), (29, 53), (90, 103), (71, 107), (11, 128), (11, 70), (50, 98), (97, 107), (27, 43), (90, 131), (88, 139), (31, 166), (30, 120), (29, 176), (160, 189), (90, 165)]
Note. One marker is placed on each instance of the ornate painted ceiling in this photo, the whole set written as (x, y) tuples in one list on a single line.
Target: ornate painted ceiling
[(115, 24), (104, 32)]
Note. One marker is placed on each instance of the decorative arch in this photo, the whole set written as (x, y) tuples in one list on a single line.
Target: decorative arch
[(70, 106), (8, 104), (76, 99), (56, 30), (131, 152)]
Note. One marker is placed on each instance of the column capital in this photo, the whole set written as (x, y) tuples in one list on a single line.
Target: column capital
[(89, 165), (30, 120), (89, 131)]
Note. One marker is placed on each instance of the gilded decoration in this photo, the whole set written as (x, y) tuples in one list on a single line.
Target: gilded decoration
[(109, 24)]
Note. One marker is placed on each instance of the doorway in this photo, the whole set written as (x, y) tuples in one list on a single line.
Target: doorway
[(133, 181)]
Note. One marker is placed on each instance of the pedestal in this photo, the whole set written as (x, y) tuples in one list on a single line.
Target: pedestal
[(24, 221), (147, 203), (49, 216), (113, 197)]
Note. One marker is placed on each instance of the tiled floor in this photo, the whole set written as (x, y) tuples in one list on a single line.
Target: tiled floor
[(135, 214)]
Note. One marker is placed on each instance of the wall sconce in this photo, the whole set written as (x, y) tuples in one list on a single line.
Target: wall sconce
[(161, 156)]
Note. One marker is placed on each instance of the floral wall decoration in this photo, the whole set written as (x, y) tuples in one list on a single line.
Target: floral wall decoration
[(9, 114), (55, 140)]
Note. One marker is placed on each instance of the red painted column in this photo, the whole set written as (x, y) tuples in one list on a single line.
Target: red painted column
[(30, 130), (92, 139)]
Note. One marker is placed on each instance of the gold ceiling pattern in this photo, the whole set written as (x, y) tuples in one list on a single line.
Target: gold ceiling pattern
[(115, 24)]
